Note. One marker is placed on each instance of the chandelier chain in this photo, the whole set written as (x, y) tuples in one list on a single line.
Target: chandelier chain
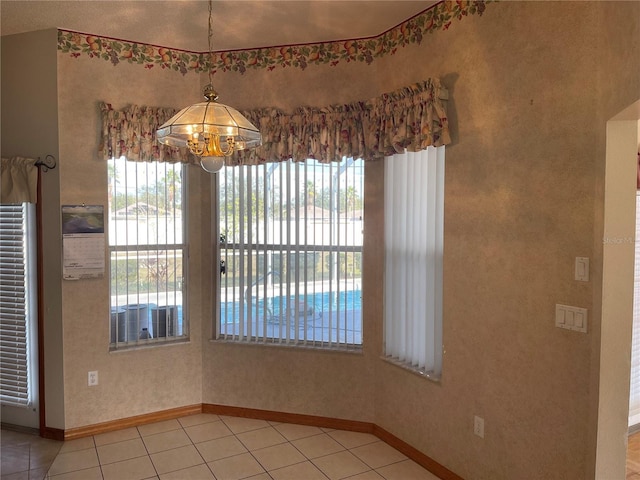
[(209, 38)]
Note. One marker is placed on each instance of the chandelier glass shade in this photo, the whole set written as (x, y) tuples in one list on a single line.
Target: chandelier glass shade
[(209, 129)]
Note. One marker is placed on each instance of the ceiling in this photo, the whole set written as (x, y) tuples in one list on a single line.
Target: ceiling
[(237, 24)]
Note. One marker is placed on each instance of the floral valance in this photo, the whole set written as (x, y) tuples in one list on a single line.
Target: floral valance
[(131, 132), (411, 118)]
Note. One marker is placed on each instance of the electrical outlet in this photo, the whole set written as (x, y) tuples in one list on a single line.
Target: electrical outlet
[(93, 378), (478, 426)]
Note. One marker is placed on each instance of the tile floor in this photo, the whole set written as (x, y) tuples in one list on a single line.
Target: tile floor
[(209, 447)]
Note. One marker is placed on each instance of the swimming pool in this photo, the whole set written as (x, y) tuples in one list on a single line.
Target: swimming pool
[(319, 317), (315, 303)]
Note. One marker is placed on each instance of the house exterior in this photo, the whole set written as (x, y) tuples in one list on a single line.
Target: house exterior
[(532, 86)]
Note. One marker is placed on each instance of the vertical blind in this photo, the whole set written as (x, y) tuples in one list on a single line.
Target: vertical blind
[(291, 243), (414, 217), (17, 303)]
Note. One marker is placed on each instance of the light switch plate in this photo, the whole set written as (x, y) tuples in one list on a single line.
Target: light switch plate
[(571, 318), (582, 269)]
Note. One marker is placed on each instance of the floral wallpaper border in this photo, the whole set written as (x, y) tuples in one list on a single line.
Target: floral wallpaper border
[(437, 17)]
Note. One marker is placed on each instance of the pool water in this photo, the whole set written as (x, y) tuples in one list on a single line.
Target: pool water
[(320, 317), (316, 304)]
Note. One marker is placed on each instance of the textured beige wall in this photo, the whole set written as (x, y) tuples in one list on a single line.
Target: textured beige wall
[(529, 106), (136, 381), (30, 129)]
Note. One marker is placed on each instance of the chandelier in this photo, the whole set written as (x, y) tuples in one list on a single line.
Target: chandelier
[(210, 130)]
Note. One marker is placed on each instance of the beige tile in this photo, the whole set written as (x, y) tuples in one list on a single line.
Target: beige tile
[(39, 473), (278, 456), (176, 459), (197, 419), (88, 474), (117, 452), (24, 475), (15, 458), (406, 470), (207, 431), (241, 424), (220, 448), (43, 454), (11, 437), (370, 475), (261, 438), (340, 465), (317, 446), (304, 470), (159, 427), (117, 436), (135, 469), (291, 431), (260, 476), (236, 467), (378, 454), (199, 472), (166, 441), (71, 461), (352, 439), (77, 444), (45, 442)]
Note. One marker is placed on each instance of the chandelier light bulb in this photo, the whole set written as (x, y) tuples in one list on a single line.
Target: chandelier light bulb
[(212, 164)]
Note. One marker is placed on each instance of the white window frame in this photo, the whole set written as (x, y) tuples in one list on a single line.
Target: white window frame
[(634, 386), (149, 303), (414, 242), (275, 303)]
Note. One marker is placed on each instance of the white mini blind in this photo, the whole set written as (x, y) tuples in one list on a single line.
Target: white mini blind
[(414, 217), (17, 303), (634, 397)]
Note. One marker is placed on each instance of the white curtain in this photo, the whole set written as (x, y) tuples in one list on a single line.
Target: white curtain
[(19, 177), (414, 214)]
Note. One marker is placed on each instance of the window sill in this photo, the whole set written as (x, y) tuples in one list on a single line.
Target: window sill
[(428, 375), (351, 350), (149, 345)]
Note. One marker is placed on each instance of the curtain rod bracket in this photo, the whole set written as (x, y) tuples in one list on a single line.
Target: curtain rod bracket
[(47, 164)]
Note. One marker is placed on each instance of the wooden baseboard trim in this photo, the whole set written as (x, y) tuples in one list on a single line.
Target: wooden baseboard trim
[(416, 455), (52, 433), (136, 421), (301, 419)]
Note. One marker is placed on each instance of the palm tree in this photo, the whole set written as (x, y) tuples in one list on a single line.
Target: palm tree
[(113, 176), (171, 184), (309, 194), (351, 198)]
